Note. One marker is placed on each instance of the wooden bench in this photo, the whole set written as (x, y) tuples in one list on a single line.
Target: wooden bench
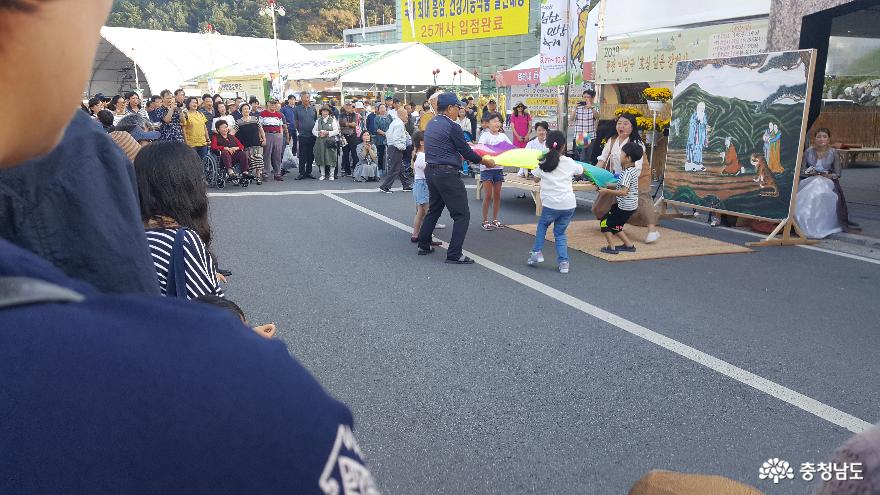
[(529, 184), (850, 154)]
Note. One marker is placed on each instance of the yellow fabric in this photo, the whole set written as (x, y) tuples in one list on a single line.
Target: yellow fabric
[(194, 131), (424, 118)]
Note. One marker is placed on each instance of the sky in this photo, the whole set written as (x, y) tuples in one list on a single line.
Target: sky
[(742, 83)]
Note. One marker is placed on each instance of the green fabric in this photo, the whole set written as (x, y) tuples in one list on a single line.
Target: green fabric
[(325, 156)]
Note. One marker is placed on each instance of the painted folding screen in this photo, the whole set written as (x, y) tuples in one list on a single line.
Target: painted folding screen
[(738, 125)]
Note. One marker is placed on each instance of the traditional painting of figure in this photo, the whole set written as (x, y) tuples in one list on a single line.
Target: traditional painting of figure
[(737, 125), (698, 138)]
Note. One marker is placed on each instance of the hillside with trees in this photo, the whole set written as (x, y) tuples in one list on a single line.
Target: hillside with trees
[(306, 20)]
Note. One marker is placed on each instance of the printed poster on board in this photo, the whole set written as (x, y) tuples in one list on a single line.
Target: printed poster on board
[(737, 128)]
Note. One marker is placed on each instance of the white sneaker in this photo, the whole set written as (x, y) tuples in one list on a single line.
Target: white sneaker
[(563, 267), (331, 177), (535, 257), (322, 177), (652, 237)]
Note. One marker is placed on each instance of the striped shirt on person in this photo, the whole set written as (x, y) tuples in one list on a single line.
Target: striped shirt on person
[(630, 180), (271, 121), (201, 274)]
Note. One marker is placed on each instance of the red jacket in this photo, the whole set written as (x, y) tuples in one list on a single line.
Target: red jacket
[(218, 143)]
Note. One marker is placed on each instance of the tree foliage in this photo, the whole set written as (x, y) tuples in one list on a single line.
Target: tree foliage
[(306, 20)]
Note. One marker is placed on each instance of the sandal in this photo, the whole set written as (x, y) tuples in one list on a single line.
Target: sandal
[(497, 224), (488, 226)]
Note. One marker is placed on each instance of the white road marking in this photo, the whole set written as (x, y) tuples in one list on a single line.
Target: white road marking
[(804, 246), (769, 387), (306, 193)]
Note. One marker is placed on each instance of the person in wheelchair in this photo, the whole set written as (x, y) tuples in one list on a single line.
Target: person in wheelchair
[(230, 150)]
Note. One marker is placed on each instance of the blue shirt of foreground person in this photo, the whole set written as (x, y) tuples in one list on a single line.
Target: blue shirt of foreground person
[(132, 394), (444, 148), (77, 207), (137, 394)]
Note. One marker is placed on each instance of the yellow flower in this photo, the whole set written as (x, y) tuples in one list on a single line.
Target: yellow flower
[(630, 110), (644, 123), (657, 94)]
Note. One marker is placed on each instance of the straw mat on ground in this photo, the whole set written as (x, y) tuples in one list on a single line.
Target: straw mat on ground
[(584, 235)]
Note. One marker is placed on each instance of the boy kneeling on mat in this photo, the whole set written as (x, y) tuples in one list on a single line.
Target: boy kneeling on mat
[(627, 192)]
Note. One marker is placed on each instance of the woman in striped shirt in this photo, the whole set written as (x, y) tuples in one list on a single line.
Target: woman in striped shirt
[(174, 207)]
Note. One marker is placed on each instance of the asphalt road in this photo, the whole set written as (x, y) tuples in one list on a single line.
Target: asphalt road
[(468, 380)]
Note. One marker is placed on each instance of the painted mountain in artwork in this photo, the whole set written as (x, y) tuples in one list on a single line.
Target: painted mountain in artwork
[(745, 122)]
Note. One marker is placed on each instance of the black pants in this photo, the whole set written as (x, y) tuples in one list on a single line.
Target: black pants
[(446, 190), (306, 154), (349, 157), (395, 169), (380, 153), (407, 163)]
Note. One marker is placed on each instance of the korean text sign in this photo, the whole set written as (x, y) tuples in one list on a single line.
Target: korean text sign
[(653, 58), (450, 20), (554, 49)]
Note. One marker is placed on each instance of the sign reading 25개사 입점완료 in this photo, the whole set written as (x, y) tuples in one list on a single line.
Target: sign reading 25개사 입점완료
[(449, 20)]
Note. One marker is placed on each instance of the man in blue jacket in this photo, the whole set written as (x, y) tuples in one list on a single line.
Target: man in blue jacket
[(130, 393), (444, 148)]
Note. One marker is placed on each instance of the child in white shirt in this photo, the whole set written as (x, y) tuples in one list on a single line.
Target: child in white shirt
[(420, 187), (492, 178), (558, 203)]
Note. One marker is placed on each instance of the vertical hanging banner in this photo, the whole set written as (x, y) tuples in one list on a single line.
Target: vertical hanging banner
[(554, 42), (583, 39)]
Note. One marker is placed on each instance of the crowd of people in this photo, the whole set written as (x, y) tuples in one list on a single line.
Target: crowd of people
[(365, 140)]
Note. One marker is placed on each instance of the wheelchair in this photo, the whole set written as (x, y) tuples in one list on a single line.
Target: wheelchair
[(217, 176)]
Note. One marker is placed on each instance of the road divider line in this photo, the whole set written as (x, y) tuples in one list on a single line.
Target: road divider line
[(318, 192), (769, 387)]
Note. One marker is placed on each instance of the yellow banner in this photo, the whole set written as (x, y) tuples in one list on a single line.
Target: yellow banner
[(449, 20)]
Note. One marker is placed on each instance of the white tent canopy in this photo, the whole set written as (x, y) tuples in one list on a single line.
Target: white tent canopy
[(400, 64), (411, 65), (166, 58), (528, 64)]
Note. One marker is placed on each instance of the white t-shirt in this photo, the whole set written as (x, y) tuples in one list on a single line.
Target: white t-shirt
[(556, 191), (490, 139), (419, 165), (613, 153), (534, 144)]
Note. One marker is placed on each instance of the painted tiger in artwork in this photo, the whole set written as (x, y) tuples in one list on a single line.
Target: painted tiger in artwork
[(764, 177)]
